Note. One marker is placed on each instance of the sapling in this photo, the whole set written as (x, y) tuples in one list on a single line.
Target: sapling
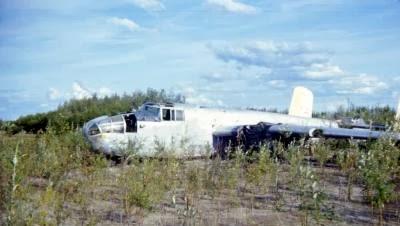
[(274, 169), (295, 157), (322, 154), (13, 188), (347, 160), (378, 167), (311, 195), (192, 191)]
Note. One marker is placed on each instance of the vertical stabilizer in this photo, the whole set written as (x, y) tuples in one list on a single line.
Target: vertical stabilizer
[(397, 118), (302, 102)]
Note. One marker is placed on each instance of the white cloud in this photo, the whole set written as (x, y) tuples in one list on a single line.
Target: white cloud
[(235, 74), (218, 77), (124, 22), (80, 92), (331, 105), (291, 64), (104, 91), (194, 97), (152, 5), (199, 100), (272, 54), (359, 84), (53, 94), (233, 6), (277, 83), (276, 61), (323, 71)]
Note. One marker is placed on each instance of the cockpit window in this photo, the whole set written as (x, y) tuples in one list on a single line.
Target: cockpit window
[(105, 128), (152, 110), (113, 124), (94, 130), (159, 113), (117, 127), (104, 121), (116, 118), (148, 113), (105, 125), (117, 124)]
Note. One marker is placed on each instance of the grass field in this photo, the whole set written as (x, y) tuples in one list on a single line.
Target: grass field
[(50, 179)]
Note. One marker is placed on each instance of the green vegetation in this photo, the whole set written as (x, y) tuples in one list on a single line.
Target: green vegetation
[(73, 113), (49, 176), (50, 179), (378, 114)]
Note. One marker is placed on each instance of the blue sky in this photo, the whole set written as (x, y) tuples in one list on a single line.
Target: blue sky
[(231, 53)]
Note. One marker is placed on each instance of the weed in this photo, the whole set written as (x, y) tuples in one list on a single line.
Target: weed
[(347, 160), (378, 167), (322, 154)]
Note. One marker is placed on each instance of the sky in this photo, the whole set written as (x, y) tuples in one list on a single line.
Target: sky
[(227, 53)]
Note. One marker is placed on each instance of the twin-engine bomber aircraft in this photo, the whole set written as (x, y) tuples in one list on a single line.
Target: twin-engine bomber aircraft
[(194, 128)]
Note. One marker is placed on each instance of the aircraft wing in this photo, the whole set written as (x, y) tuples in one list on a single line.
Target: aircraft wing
[(248, 135), (328, 132)]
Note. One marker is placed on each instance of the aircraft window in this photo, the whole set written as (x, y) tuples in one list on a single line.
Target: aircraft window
[(94, 130), (117, 127), (105, 127), (105, 121), (148, 113), (113, 124), (166, 114), (116, 118), (153, 110), (179, 116)]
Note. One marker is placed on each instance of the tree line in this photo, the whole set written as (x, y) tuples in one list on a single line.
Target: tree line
[(74, 113)]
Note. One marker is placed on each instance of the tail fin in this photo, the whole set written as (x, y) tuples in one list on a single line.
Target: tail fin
[(396, 125), (302, 102), (397, 117)]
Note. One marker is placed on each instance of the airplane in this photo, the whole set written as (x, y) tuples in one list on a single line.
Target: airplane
[(192, 130)]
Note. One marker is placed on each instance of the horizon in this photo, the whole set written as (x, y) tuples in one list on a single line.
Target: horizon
[(350, 105), (218, 53)]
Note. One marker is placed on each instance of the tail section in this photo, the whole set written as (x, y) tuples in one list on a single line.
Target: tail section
[(396, 125), (397, 117), (302, 102)]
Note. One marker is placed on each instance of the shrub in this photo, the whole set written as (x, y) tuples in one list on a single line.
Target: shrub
[(378, 168)]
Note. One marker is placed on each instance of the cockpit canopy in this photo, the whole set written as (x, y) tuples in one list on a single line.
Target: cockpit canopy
[(159, 112), (127, 123), (114, 124)]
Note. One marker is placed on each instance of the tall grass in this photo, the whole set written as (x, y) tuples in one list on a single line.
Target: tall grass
[(52, 179)]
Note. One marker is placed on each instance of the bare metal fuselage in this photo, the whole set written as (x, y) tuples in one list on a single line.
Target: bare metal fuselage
[(188, 136)]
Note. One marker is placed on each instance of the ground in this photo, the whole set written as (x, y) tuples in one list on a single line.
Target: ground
[(239, 206)]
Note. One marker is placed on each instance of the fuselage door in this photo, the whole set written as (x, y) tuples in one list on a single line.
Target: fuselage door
[(131, 123)]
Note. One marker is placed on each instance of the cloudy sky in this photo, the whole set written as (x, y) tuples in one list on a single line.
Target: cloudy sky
[(231, 53)]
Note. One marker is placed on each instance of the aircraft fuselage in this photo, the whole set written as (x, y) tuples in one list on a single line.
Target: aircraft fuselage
[(186, 130)]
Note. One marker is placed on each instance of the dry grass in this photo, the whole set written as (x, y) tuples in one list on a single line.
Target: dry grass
[(56, 180)]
